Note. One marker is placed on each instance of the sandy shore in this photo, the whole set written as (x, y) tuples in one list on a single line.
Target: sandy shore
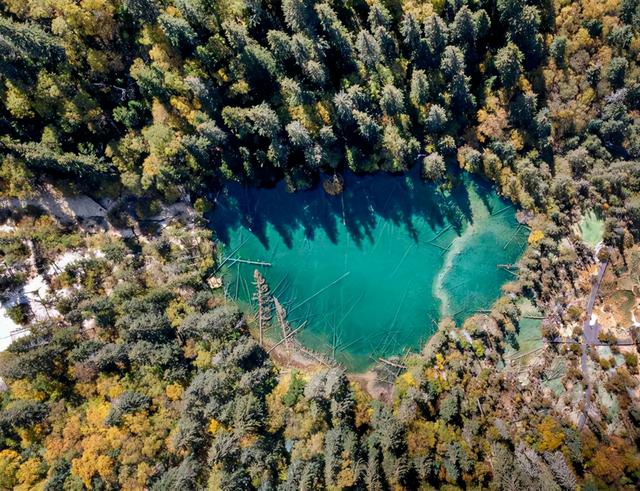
[(372, 386), (294, 358)]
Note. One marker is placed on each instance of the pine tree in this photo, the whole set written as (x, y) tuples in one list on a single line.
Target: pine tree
[(368, 49), (299, 15), (453, 67), (436, 36), (463, 32), (26, 47), (419, 93), (392, 100), (375, 478), (508, 62), (617, 71), (339, 36), (436, 120), (178, 31)]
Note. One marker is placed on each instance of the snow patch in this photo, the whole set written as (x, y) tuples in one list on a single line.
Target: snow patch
[(33, 293), (9, 330)]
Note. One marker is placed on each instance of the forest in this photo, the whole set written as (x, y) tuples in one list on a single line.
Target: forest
[(137, 372)]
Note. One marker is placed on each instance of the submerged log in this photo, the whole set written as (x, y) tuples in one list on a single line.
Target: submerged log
[(501, 210), (222, 263), (318, 357), (248, 261), (439, 234), (319, 292), (281, 314), (513, 236), (286, 339), (392, 364), (264, 300), (525, 354)]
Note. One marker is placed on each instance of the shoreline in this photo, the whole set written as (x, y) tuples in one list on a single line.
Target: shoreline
[(296, 357), (299, 356)]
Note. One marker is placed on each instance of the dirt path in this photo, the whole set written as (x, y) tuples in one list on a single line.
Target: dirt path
[(589, 338)]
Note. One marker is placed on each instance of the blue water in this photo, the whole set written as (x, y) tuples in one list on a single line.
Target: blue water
[(373, 269)]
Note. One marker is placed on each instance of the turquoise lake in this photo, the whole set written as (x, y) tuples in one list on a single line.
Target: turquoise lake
[(373, 269)]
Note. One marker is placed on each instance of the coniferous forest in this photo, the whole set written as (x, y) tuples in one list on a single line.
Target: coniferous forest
[(139, 371)]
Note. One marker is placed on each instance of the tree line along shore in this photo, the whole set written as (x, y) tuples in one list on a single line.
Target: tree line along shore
[(136, 373)]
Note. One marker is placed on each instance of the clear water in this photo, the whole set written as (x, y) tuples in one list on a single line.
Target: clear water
[(371, 270), (591, 228)]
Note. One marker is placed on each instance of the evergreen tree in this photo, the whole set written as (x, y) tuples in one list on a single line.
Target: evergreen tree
[(463, 32), (368, 49), (419, 93), (509, 64), (340, 38), (436, 120), (178, 31), (436, 36), (617, 71), (299, 15), (392, 101)]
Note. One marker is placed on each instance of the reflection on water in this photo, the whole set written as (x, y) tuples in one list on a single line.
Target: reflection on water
[(373, 269)]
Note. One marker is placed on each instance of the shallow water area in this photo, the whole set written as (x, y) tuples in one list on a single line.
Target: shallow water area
[(372, 270), (590, 228)]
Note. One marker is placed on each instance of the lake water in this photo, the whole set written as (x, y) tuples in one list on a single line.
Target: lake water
[(373, 269)]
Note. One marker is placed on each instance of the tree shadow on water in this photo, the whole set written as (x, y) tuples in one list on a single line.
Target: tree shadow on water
[(404, 200)]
